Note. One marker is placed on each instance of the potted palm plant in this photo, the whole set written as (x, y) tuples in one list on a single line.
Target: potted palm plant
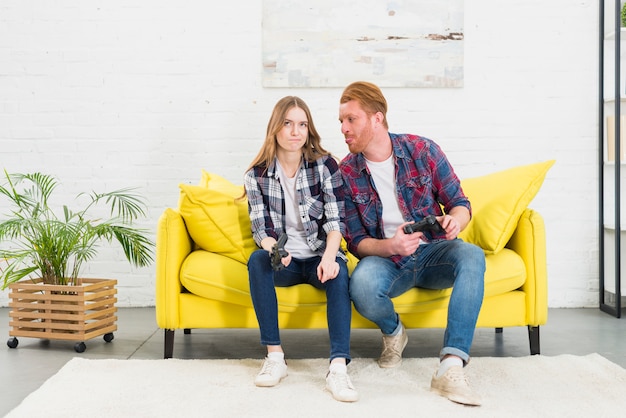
[(42, 251)]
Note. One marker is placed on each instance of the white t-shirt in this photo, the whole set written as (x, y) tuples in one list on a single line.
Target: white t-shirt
[(384, 176), (296, 235)]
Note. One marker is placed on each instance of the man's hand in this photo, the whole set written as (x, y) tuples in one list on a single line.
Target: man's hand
[(451, 225), (405, 244)]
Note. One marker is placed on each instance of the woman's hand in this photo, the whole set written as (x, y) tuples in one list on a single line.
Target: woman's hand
[(327, 269)]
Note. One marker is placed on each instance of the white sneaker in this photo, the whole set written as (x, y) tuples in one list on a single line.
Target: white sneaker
[(340, 386), (271, 373)]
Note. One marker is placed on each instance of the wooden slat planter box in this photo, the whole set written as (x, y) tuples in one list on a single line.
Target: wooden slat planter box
[(74, 313)]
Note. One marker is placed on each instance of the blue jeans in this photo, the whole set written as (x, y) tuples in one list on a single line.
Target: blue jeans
[(437, 265), (262, 289)]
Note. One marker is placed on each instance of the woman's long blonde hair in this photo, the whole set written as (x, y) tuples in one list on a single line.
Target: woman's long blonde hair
[(312, 148)]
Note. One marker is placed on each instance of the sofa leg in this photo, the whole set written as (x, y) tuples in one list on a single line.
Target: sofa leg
[(187, 331), (168, 349), (533, 338), (498, 330)]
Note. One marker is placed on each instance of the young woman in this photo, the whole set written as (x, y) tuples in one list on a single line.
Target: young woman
[(294, 187)]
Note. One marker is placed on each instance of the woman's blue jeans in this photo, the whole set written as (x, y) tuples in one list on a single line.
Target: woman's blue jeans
[(263, 280), (436, 265)]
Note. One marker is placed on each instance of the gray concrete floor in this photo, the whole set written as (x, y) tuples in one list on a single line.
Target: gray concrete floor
[(25, 368)]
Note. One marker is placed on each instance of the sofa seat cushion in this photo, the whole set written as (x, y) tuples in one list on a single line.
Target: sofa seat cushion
[(219, 277)]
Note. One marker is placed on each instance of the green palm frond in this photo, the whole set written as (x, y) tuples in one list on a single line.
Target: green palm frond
[(124, 203), (134, 244), (14, 275), (34, 199)]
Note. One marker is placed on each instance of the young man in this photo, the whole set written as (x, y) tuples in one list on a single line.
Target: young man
[(391, 181)]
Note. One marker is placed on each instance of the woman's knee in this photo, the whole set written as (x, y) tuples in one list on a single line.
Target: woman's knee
[(340, 282), (258, 264), (258, 256)]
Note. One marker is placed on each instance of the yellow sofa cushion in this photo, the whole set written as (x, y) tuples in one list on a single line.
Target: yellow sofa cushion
[(219, 277), (217, 218), (498, 200), (215, 276)]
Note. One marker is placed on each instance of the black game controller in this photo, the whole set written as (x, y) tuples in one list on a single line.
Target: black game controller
[(278, 252), (429, 223)]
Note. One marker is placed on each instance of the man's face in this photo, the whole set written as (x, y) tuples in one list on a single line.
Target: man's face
[(356, 126)]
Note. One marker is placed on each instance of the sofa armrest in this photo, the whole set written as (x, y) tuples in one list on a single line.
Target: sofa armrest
[(529, 241), (173, 245)]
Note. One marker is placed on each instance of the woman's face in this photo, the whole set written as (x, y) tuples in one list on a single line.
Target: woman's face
[(295, 130)]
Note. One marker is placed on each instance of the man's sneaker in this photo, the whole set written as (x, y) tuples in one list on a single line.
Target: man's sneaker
[(453, 384), (340, 386), (392, 349), (271, 373)]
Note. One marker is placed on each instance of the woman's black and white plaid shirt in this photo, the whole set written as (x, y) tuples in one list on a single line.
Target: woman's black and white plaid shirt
[(319, 194)]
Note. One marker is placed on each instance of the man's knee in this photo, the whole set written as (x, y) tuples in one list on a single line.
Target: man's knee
[(472, 255), (365, 281)]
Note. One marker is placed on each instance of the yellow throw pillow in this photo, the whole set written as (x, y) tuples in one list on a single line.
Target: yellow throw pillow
[(218, 183), (216, 219), (498, 200)]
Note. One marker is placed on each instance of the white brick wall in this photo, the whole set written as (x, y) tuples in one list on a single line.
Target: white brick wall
[(116, 93)]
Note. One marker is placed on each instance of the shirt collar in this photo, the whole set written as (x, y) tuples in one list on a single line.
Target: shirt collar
[(398, 152)]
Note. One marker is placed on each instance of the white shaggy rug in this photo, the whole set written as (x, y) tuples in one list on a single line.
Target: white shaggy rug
[(537, 386)]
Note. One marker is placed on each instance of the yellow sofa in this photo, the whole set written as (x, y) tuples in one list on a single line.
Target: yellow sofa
[(202, 248)]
